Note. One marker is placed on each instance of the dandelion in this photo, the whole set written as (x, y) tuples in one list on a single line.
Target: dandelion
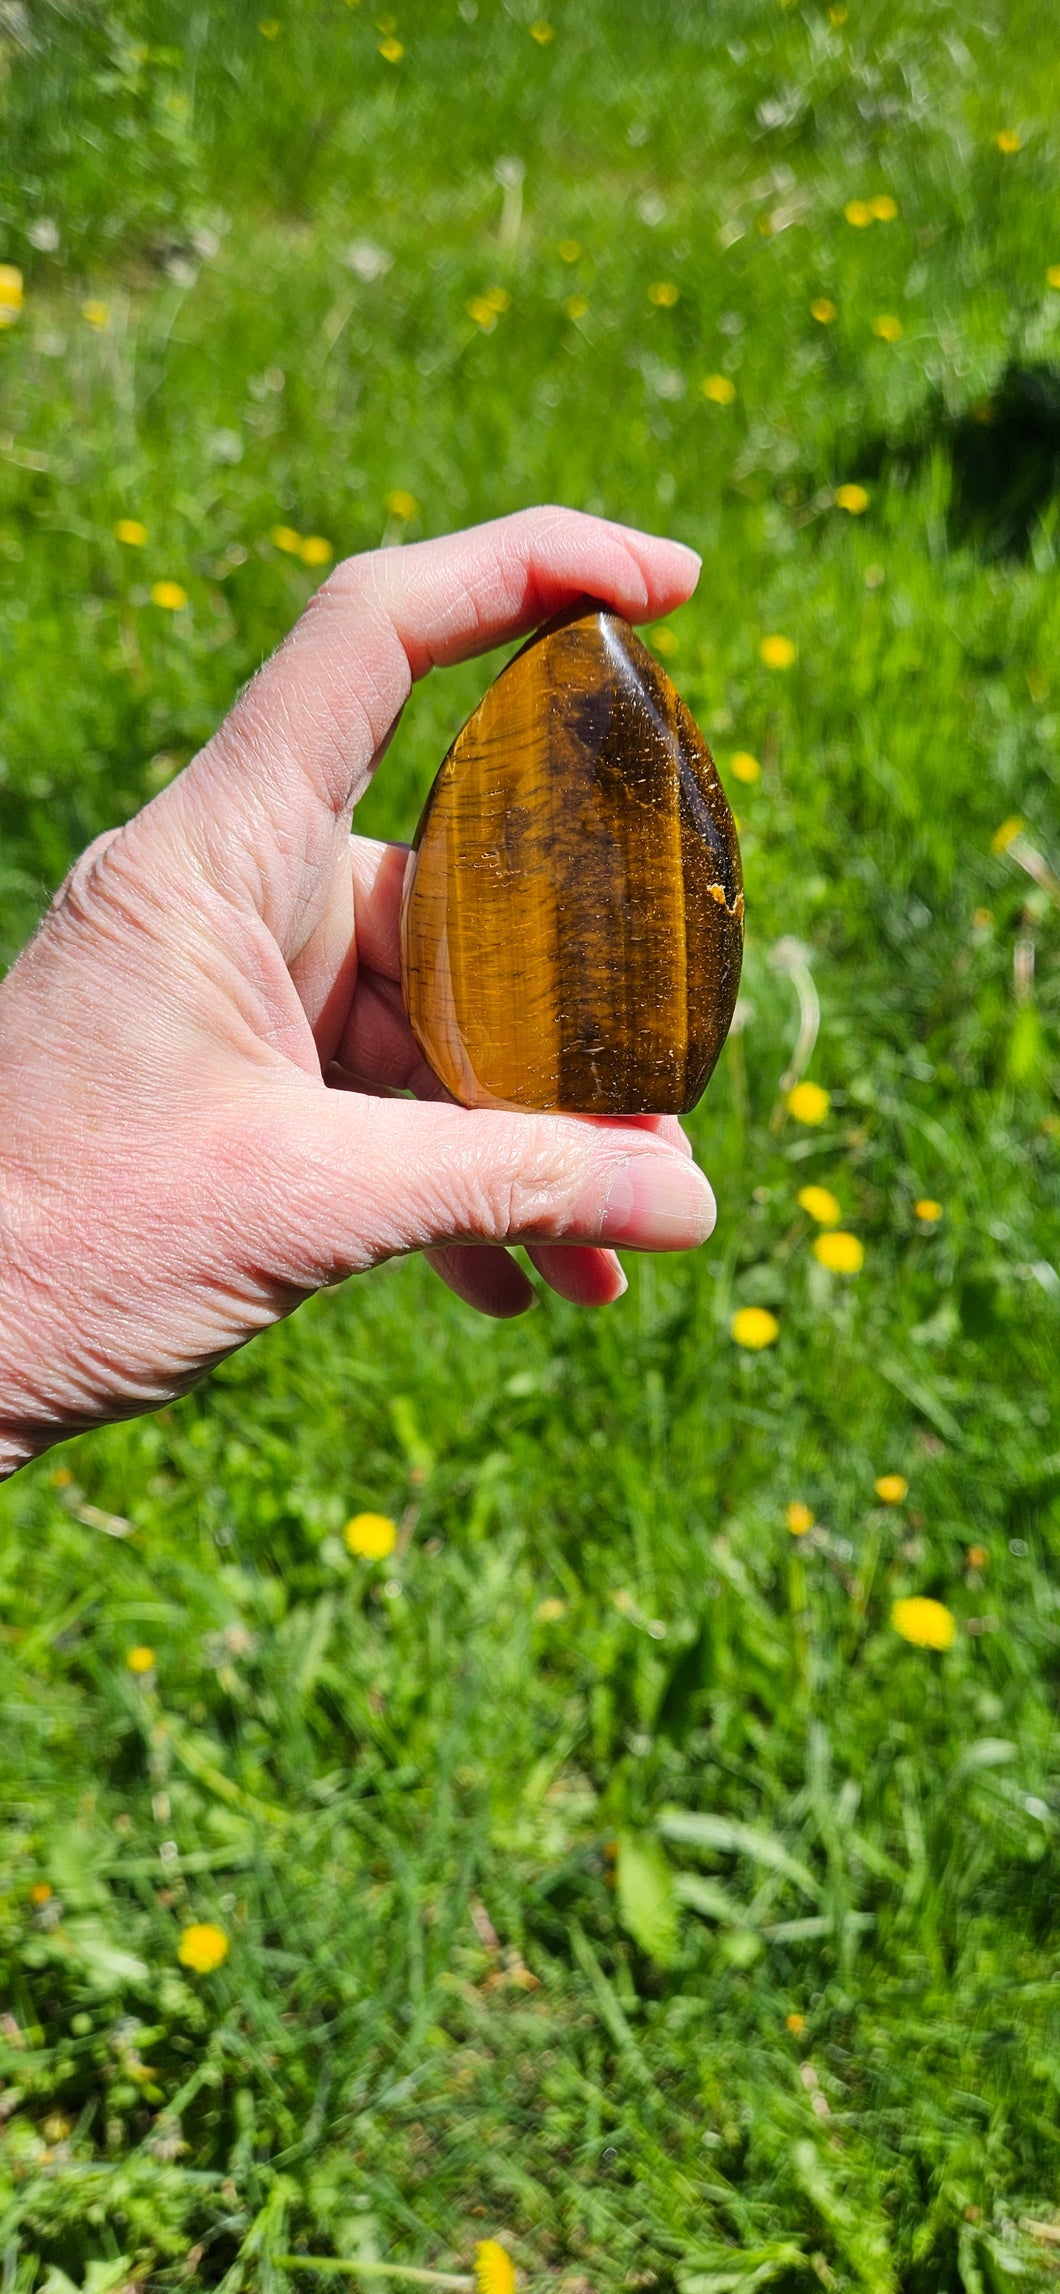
[(542, 33), (823, 310), (927, 1624), (821, 1205), (400, 504), (928, 1211), (1052, 276), (754, 1327), (202, 1947), (840, 1252), (130, 531), (1008, 139), (797, 2023), (1007, 833), (884, 208), (858, 212), (315, 551), (40, 1893), (977, 1557), (665, 641), (169, 594), (744, 767), (141, 1659), (97, 314), (664, 294), (549, 1611), (719, 389), (576, 306), (891, 1488), (287, 538), (777, 652), (808, 1103), (854, 499), (494, 2268), (888, 328), (10, 293), (484, 309), (371, 1536), (799, 1518), (569, 250), (391, 50)]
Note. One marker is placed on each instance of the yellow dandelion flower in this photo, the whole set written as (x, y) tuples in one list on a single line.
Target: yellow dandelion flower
[(62, 1478), (498, 298), (927, 1210), (1007, 833), (1008, 139), (371, 1536), (884, 208), (808, 1103), (391, 50), (858, 212), (891, 1488), (315, 551), (400, 504), (853, 499), (977, 1557), (202, 1947), (542, 33), (132, 532), (1052, 276), (97, 314), (927, 1624), (482, 311), (576, 306), (744, 767), (719, 389), (569, 250), (840, 1252), (888, 328), (797, 2023), (777, 652), (169, 594), (40, 1893), (494, 2268), (11, 296), (823, 310), (799, 1518), (821, 1205), (141, 1659), (754, 1327), (287, 538), (665, 641), (664, 294), (549, 1611)]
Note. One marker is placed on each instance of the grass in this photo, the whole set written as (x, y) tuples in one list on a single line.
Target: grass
[(602, 1872)]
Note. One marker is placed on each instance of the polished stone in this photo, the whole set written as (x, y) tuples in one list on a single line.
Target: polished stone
[(572, 921)]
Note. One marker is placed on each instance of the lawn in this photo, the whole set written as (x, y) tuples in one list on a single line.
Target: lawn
[(603, 1871)]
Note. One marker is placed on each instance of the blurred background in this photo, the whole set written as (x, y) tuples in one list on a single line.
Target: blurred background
[(590, 1786)]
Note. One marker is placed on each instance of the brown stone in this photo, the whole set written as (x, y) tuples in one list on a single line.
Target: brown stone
[(572, 922)]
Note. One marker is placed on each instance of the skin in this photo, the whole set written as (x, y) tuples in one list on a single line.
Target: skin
[(204, 1060)]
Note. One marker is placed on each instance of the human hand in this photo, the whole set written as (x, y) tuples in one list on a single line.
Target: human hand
[(199, 1047)]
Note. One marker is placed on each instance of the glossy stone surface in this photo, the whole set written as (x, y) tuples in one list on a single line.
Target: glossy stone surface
[(572, 922)]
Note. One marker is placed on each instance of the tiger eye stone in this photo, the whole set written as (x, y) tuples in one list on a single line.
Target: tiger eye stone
[(572, 920)]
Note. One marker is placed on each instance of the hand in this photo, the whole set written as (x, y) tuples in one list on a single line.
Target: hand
[(198, 1048)]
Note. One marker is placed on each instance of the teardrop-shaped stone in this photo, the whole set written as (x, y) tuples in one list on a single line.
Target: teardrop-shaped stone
[(572, 921)]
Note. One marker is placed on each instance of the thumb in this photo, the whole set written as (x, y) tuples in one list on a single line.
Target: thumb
[(338, 1182)]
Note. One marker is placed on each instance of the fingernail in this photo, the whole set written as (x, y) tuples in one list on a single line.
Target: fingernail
[(656, 1203)]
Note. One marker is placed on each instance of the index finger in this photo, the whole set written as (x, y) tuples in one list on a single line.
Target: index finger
[(298, 749)]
